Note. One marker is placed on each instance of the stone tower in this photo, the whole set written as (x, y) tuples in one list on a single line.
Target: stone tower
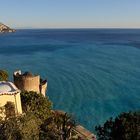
[(30, 82)]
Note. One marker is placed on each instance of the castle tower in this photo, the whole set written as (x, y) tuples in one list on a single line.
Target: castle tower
[(30, 82)]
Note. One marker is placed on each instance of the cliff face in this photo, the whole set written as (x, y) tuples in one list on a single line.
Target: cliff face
[(4, 28)]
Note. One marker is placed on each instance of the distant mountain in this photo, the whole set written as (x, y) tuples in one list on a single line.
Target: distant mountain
[(4, 29)]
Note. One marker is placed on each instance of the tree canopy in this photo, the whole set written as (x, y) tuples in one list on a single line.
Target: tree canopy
[(124, 127), (58, 127), (39, 105), (3, 75)]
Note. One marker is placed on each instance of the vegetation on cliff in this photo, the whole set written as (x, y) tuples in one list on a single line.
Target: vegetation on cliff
[(38, 121), (39, 105), (124, 127), (3, 75)]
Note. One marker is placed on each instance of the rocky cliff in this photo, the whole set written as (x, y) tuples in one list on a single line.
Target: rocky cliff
[(4, 28)]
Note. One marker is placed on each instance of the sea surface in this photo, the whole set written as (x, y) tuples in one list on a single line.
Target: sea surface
[(92, 73)]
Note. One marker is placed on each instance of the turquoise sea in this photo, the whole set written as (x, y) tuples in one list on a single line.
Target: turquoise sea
[(92, 73)]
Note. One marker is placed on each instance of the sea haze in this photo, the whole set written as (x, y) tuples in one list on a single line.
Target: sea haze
[(92, 73)]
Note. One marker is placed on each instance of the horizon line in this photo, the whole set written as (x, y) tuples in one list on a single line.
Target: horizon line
[(28, 28)]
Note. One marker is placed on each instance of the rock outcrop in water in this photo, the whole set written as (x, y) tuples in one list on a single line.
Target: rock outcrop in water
[(4, 29)]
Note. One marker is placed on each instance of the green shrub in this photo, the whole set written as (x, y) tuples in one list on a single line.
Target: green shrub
[(124, 127), (37, 104), (3, 75)]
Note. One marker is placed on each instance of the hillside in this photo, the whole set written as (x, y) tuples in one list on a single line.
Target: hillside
[(4, 28)]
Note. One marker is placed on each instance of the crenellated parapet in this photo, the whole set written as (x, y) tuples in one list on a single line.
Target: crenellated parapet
[(29, 82)]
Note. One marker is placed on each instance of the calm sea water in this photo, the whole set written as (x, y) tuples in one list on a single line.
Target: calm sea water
[(93, 74)]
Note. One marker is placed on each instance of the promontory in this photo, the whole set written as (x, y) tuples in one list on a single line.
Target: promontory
[(4, 29)]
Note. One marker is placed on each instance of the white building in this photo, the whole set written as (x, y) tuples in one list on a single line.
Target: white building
[(10, 93)]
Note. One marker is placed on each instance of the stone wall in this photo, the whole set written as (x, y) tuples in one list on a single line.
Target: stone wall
[(43, 88), (29, 83)]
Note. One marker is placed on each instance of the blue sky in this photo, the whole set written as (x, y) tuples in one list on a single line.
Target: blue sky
[(70, 13)]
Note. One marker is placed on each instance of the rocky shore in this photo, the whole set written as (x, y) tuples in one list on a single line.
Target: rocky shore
[(4, 29)]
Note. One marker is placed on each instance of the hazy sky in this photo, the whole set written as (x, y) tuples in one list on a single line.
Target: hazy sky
[(70, 13)]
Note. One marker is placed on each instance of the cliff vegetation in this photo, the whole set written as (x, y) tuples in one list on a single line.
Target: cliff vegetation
[(38, 121)]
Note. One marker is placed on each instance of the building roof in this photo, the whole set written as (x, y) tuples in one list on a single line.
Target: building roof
[(8, 88)]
